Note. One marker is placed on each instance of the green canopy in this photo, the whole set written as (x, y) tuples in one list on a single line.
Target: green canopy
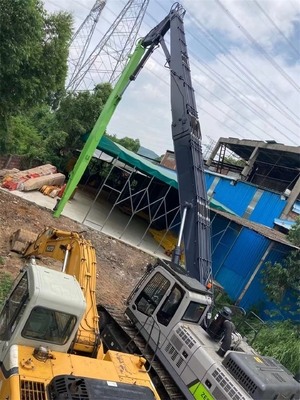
[(134, 160)]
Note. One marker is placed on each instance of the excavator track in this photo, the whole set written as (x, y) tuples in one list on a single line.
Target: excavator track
[(155, 368)]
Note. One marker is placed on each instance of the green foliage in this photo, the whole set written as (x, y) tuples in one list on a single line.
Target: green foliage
[(5, 285), (294, 233), (234, 161), (281, 341), (23, 137), (128, 143), (280, 280), (52, 136), (33, 54)]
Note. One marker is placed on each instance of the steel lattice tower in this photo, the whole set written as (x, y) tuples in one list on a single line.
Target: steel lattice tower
[(108, 59), (81, 40)]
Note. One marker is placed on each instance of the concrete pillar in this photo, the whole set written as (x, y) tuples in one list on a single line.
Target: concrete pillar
[(213, 153), (292, 198), (249, 165)]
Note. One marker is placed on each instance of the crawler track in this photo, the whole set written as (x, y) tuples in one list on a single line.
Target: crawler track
[(159, 375)]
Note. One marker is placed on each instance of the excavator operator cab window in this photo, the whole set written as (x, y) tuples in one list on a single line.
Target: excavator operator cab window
[(49, 326), (13, 308), (170, 306), (194, 312), (151, 295)]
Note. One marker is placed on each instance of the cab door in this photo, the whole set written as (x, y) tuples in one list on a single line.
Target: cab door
[(155, 307), (11, 314)]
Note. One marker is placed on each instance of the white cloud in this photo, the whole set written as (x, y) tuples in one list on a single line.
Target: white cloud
[(144, 111)]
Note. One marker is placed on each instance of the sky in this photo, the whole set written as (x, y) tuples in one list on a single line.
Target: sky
[(245, 65)]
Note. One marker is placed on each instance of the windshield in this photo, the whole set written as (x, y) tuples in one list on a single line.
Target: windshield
[(194, 312), (49, 325)]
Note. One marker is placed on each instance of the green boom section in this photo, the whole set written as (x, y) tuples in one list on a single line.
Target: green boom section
[(200, 392), (100, 127)]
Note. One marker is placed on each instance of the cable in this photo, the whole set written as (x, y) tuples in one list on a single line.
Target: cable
[(232, 88), (235, 95), (228, 54), (255, 44), (209, 101), (277, 28), (274, 127), (267, 96)]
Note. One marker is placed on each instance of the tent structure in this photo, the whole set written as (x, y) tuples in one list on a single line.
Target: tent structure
[(137, 162)]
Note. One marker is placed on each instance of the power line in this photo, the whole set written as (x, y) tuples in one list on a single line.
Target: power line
[(266, 93), (226, 52), (256, 45), (207, 112), (274, 127), (276, 27), (249, 107)]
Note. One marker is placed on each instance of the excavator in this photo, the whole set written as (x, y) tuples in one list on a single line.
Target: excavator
[(56, 343), (168, 314), (50, 344)]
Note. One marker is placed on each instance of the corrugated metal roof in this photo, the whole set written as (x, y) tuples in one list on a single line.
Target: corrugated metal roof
[(284, 223), (261, 229), (296, 207)]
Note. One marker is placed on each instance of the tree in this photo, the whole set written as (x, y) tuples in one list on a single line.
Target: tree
[(33, 53), (282, 281), (127, 142)]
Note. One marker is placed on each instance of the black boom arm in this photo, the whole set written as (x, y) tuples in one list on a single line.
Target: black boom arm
[(195, 222)]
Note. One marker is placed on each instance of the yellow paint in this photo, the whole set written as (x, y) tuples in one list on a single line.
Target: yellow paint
[(258, 360), (115, 366)]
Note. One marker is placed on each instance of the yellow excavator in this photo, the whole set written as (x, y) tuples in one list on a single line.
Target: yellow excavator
[(50, 346)]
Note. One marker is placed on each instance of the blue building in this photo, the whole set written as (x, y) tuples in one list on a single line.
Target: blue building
[(243, 211)]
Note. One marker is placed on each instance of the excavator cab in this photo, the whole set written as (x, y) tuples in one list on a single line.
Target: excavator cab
[(164, 297), (44, 308)]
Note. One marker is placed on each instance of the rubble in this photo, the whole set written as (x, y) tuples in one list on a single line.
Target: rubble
[(36, 183), (33, 179), (4, 172)]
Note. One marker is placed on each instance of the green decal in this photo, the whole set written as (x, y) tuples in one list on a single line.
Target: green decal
[(200, 392)]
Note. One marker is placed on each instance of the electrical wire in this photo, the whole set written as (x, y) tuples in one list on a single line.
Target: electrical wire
[(237, 64), (265, 92), (273, 126), (197, 93), (235, 93), (276, 27), (256, 45)]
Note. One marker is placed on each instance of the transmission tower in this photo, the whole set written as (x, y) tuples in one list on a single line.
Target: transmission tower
[(208, 148), (108, 59), (82, 38)]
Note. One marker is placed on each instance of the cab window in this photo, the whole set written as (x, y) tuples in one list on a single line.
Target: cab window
[(170, 306), (194, 312), (13, 308), (152, 294), (49, 326)]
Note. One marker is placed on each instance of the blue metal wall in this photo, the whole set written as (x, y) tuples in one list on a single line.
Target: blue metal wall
[(269, 207), (238, 196), (235, 255), (255, 293)]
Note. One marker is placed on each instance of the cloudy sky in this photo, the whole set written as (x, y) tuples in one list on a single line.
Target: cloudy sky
[(245, 62)]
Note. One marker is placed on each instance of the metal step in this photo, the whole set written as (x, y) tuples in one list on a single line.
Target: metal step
[(165, 379)]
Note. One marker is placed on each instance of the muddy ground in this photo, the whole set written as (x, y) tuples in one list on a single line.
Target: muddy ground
[(119, 266)]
